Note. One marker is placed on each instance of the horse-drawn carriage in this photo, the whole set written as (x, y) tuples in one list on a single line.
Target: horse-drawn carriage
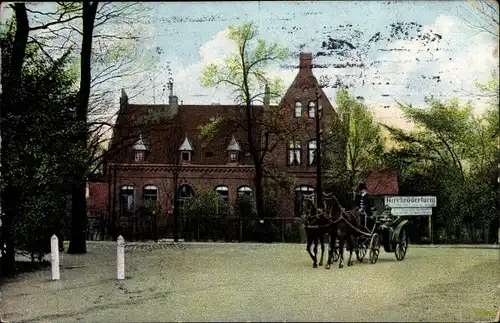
[(341, 225), (388, 231)]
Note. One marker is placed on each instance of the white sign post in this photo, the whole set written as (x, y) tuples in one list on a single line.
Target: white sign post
[(410, 201), (54, 256), (412, 206), (120, 258)]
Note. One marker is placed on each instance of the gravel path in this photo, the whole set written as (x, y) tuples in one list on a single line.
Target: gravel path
[(252, 282)]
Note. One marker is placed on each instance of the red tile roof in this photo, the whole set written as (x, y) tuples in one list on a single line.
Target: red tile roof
[(383, 182), (165, 137)]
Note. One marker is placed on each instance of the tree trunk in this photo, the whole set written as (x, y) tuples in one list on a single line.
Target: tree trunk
[(10, 196), (259, 190), (77, 244), (79, 202)]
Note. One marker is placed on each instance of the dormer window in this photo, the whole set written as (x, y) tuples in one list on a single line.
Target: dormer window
[(233, 157), (233, 150), (186, 156), (186, 150), (298, 109), (139, 156), (140, 149)]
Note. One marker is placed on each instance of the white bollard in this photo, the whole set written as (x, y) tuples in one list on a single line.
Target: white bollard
[(54, 256), (120, 258)]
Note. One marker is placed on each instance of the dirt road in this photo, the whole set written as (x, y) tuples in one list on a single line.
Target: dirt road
[(251, 282)]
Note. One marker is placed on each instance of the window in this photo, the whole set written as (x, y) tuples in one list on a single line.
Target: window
[(300, 192), (186, 156), (184, 194), (140, 148), (209, 154), (223, 192), (312, 110), (294, 153), (298, 109), (244, 190), (150, 193), (127, 200), (233, 156), (139, 156), (311, 152)]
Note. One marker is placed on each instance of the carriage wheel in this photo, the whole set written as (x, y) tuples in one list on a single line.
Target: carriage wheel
[(362, 249), (336, 250), (401, 245), (375, 248)]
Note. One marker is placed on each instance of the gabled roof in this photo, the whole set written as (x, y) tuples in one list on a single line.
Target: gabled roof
[(234, 145), (186, 145)]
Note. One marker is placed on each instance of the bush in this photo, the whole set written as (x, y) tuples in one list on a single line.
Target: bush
[(207, 204), (147, 214), (43, 216), (245, 207)]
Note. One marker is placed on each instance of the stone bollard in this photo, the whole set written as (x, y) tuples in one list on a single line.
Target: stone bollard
[(120, 258), (54, 256)]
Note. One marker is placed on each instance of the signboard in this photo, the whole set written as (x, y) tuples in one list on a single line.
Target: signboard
[(410, 201), (416, 211)]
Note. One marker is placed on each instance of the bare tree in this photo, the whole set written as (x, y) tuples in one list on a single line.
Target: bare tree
[(484, 16), (244, 73)]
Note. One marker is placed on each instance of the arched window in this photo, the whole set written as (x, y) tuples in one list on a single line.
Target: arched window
[(244, 190), (298, 109), (294, 152), (150, 193), (223, 192), (312, 109), (127, 200), (184, 194), (311, 152), (299, 193)]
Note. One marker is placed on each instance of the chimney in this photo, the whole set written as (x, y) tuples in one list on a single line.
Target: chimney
[(173, 101), (123, 98), (305, 61), (171, 88), (267, 97)]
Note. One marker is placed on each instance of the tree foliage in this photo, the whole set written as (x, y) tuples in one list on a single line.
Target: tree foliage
[(450, 154), (206, 204), (41, 153), (362, 136)]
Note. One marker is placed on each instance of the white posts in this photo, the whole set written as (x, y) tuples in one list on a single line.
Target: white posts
[(54, 256), (120, 258)]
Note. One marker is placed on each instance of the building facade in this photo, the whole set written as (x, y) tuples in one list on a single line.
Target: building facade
[(159, 152)]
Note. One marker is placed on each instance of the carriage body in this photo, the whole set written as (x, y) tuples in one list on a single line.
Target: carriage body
[(390, 232)]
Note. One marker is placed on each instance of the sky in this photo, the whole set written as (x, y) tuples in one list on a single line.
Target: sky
[(398, 65), (384, 51)]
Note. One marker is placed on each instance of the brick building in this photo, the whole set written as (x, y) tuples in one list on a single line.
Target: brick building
[(156, 149)]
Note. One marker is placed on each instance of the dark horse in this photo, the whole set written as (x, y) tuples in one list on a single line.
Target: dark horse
[(346, 228), (317, 223)]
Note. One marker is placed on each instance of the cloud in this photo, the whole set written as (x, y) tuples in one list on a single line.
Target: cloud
[(405, 68), (187, 77)]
